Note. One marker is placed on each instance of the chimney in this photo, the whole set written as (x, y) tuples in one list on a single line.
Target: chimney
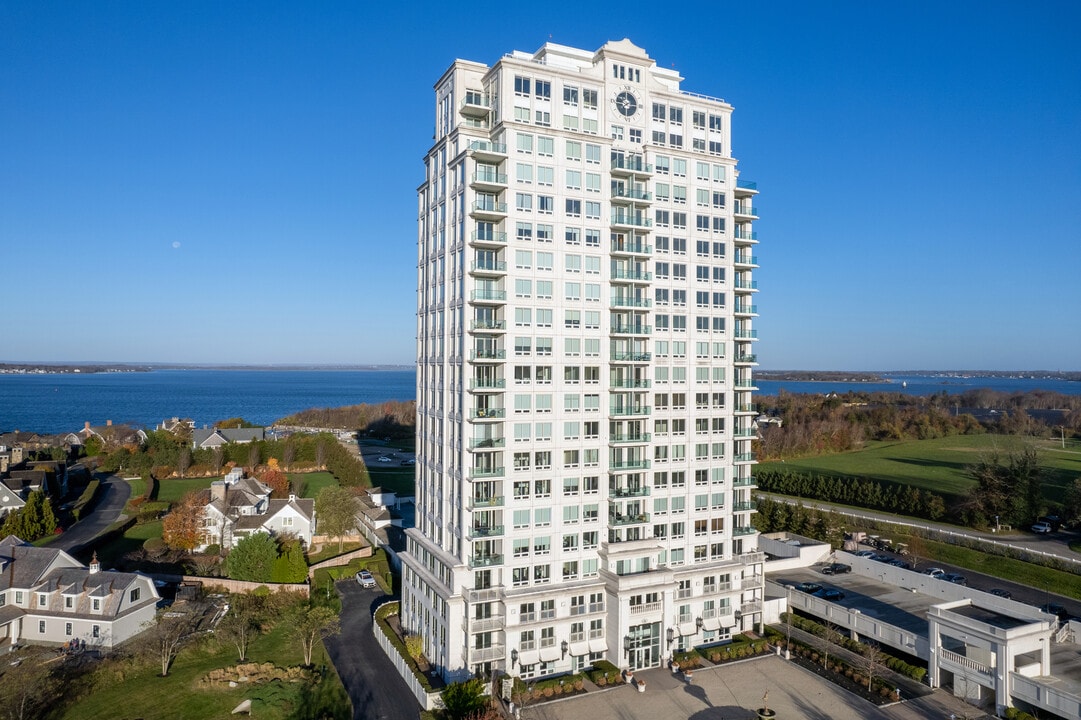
[(95, 566), (86, 425), (109, 423)]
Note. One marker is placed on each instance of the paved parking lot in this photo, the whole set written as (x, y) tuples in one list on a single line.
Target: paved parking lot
[(733, 692)]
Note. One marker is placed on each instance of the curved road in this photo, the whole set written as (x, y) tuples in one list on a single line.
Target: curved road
[(373, 683), (114, 494)]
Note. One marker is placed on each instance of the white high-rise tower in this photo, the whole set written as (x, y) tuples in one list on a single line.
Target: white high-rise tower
[(584, 355)]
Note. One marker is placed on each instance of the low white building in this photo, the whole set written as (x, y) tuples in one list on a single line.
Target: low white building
[(48, 597), (236, 507)]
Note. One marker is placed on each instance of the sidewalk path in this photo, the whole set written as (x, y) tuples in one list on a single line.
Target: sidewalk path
[(114, 496)]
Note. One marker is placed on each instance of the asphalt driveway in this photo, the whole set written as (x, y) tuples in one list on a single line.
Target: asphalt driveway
[(114, 495), (373, 683)]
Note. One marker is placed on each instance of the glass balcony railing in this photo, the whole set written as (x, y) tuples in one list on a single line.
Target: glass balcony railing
[(746, 285), (485, 531), (642, 437), (624, 301), (746, 335), (745, 259), (631, 248), (488, 325), (745, 433), (485, 146), (741, 209), (629, 465), (745, 506), (745, 385), (625, 410), (492, 266), (486, 443), (746, 309), (631, 356), (616, 519), (747, 408), (745, 358), (743, 457), (626, 194), (485, 472), (487, 384), (630, 164), (746, 185), (746, 235), (482, 177), (631, 383), (487, 354), (476, 561), (639, 275), (488, 295), (631, 330), (487, 413), (626, 492), (633, 220), (487, 502), (748, 481), (499, 208), (746, 530), (488, 237)]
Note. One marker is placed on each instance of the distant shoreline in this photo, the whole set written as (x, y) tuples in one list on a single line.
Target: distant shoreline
[(95, 368)]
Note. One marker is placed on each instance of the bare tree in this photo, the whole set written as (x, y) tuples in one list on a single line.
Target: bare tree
[(217, 459), (831, 636), (312, 624), (183, 460), (321, 454), (243, 623), (289, 453), (872, 661), (254, 456), (167, 634)]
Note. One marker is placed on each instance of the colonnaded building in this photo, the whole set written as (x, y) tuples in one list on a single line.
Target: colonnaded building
[(585, 343)]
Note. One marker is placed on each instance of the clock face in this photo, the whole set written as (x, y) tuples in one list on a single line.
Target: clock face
[(627, 103)]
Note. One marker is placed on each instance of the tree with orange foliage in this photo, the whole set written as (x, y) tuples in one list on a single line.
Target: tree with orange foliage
[(182, 528), (277, 481)]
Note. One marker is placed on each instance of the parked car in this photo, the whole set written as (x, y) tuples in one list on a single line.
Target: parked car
[(1057, 610), (866, 554), (1002, 593), (954, 578), (836, 569), (831, 594), (882, 558), (934, 572), (384, 459), (1053, 520), (809, 587), (365, 579), (410, 461), (1041, 528)]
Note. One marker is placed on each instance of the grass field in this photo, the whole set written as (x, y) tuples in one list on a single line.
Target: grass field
[(172, 489), (939, 464), (134, 690), (397, 479)]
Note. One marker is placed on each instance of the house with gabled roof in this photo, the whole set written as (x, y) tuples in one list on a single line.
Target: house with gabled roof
[(113, 435), (238, 506), (216, 437), (48, 597)]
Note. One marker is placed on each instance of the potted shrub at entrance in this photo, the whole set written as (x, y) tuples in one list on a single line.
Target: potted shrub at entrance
[(641, 686)]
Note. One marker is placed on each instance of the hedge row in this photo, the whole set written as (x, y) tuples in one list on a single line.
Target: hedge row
[(604, 673), (85, 503), (381, 615), (841, 666), (898, 665), (550, 687)]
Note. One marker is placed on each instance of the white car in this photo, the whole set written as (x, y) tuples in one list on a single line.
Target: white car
[(934, 572), (1041, 527), (385, 459), (365, 579)]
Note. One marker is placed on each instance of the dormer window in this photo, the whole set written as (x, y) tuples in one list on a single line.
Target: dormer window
[(43, 599), (134, 595), (69, 602), (95, 604)]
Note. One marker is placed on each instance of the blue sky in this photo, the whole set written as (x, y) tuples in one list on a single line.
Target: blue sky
[(231, 182)]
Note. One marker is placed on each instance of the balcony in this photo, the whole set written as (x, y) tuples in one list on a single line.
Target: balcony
[(747, 409), (487, 326), (746, 236), (479, 561), (746, 433), (488, 209), (745, 309), (751, 558), (749, 481), (745, 385), (631, 330), (487, 384), (631, 220), (625, 196), (475, 625), (495, 267), (484, 179), (627, 492), (486, 150), (478, 473), (744, 260), (488, 296), (744, 210), (746, 185), (497, 239), (628, 410), (750, 608), (623, 165), (745, 359), (745, 335), (625, 301), (747, 530), (488, 502), (745, 506), (624, 465), (630, 383), (743, 457), (475, 104), (490, 443), (629, 438), (485, 531), (616, 519), (631, 356), (632, 275), (488, 654), (749, 285), (491, 413), (644, 608), (631, 248), (488, 354)]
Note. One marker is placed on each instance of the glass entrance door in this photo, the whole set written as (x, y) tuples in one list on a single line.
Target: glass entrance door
[(645, 646)]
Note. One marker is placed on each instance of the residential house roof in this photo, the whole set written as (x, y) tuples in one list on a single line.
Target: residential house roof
[(305, 507), (212, 437)]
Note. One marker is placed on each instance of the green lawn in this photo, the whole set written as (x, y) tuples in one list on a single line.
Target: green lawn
[(172, 489), (938, 464), (134, 690), (394, 478), (314, 482)]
